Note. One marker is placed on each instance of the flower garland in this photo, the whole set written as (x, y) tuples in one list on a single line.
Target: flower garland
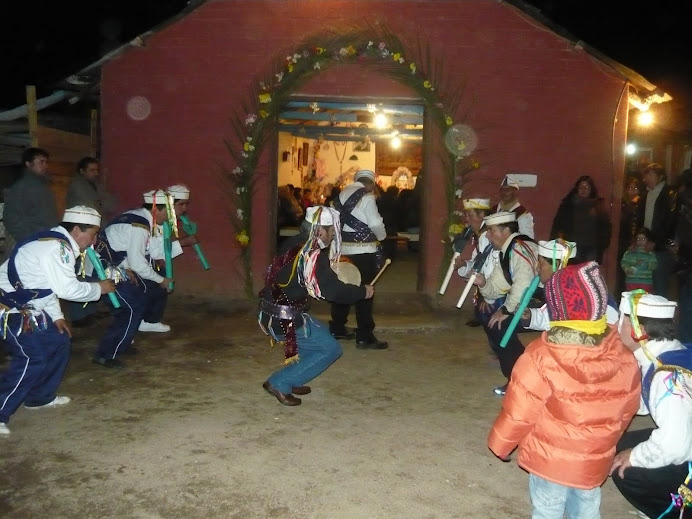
[(372, 45)]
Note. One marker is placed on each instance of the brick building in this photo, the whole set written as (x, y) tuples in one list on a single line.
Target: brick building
[(540, 102)]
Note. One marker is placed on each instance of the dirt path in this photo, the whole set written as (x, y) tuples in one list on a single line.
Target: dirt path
[(186, 431)]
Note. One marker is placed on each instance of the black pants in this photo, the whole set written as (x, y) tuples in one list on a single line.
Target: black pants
[(648, 490), (508, 355), (367, 264)]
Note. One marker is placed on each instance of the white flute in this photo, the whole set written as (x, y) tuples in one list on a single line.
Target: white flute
[(450, 271), (467, 289), (386, 264)]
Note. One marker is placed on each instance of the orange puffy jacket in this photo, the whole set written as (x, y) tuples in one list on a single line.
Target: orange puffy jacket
[(566, 407)]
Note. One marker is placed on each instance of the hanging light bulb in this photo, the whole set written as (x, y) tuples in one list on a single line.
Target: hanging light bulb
[(395, 143), (381, 121)]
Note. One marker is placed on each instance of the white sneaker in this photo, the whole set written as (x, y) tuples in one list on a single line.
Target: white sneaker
[(4, 430), (58, 400), (154, 327)]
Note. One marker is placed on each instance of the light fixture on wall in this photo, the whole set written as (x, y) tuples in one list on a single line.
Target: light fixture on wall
[(353, 157)]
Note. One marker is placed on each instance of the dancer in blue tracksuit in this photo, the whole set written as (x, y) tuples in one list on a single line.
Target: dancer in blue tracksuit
[(41, 269), (124, 246)]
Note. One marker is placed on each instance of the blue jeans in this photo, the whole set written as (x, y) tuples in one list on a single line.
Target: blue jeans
[(317, 350), (552, 501)]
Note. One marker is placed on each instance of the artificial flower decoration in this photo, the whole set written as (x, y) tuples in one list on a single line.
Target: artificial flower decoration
[(243, 238), (448, 120), (265, 98)]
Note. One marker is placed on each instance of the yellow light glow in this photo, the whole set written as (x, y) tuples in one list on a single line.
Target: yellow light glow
[(631, 149), (645, 119), (396, 143), (381, 121)]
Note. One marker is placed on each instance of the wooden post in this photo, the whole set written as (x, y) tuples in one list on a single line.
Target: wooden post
[(94, 132), (32, 114)]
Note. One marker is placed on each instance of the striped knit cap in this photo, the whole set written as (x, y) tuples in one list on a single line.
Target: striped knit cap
[(577, 293)]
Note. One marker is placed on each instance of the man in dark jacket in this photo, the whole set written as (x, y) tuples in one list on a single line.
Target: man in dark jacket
[(660, 216), (300, 271), (29, 202)]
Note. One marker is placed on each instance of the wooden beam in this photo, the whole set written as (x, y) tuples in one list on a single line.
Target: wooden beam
[(94, 132), (32, 114)]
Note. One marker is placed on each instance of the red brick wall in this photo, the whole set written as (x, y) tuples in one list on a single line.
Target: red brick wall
[(538, 105)]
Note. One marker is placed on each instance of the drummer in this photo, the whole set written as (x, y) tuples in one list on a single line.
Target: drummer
[(303, 269)]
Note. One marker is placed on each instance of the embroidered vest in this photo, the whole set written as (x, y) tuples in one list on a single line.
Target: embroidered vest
[(22, 297), (673, 361), (104, 249), (362, 233)]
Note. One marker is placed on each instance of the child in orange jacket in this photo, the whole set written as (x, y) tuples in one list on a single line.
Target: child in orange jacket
[(572, 394)]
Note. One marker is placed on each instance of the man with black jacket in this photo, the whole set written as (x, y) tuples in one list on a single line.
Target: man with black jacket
[(300, 271), (660, 216)]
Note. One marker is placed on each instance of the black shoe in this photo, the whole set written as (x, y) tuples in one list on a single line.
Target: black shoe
[(344, 335), (473, 323), (372, 344), (108, 363), (130, 351)]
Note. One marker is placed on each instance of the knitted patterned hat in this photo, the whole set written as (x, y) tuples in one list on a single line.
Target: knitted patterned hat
[(577, 293)]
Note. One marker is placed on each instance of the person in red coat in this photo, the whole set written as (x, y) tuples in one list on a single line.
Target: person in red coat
[(572, 394)]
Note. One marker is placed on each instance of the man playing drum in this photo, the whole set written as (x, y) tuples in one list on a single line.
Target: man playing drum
[(304, 269)]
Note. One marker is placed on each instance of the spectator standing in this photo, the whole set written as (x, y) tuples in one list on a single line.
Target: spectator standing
[(29, 202), (631, 220), (639, 262), (660, 214), (582, 218), (86, 189), (681, 248)]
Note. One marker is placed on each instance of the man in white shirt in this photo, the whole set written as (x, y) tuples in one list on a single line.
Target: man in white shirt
[(39, 271), (362, 231), (124, 245), (475, 210), (652, 464), (506, 284), (509, 201)]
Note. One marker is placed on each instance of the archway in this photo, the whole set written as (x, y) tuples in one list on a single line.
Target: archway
[(256, 124)]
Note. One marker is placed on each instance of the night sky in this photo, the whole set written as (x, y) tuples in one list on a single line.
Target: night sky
[(52, 40)]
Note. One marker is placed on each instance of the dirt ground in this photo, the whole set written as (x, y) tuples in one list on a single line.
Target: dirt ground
[(186, 431)]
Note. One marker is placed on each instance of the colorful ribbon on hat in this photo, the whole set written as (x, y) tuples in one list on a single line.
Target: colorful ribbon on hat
[(565, 255)]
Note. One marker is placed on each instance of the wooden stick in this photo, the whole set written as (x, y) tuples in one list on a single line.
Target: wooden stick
[(386, 264)]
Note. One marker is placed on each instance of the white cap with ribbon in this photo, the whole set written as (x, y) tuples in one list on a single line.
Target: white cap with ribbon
[(499, 218), (556, 249), (157, 197), (82, 214), (477, 203), (327, 217), (364, 173), (179, 192), (649, 305), (509, 181)]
